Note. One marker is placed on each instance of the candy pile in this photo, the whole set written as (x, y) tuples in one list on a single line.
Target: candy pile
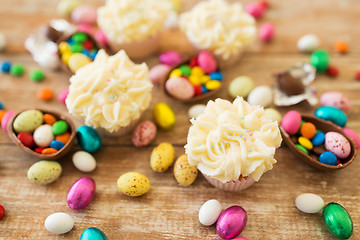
[(41, 132), (18, 70), (78, 50), (194, 78)]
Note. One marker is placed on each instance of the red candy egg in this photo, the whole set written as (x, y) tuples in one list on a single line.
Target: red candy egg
[(39, 150), (332, 71), (198, 90), (193, 62), (26, 139), (2, 212), (88, 44)]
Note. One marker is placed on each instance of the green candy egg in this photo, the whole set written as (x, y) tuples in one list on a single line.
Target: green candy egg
[(44, 172), (93, 233), (320, 60), (28, 121), (88, 139), (338, 221), (59, 127), (241, 86), (185, 70)]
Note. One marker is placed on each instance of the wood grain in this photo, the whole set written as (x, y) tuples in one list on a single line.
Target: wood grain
[(169, 211)]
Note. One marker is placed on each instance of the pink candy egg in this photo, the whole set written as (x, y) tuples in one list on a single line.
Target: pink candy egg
[(207, 62), (86, 28), (85, 14), (143, 134), (81, 193), (231, 222), (6, 119), (335, 99), (170, 58), (180, 88), (63, 95), (353, 135), (291, 122), (255, 9), (158, 73), (240, 238), (267, 32), (101, 37), (337, 144)]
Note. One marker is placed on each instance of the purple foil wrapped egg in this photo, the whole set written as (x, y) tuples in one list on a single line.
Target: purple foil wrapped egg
[(231, 222), (170, 58), (81, 193)]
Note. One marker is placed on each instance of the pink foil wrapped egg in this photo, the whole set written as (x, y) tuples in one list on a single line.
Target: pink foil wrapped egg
[(231, 222), (81, 193)]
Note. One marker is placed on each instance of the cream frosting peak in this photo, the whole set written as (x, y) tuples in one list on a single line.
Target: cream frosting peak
[(218, 26), (230, 140), (110, 92)]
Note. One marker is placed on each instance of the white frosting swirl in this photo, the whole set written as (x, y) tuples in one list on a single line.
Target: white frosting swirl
[(110, 92), (230, 140), (125, 21), (218, 26)]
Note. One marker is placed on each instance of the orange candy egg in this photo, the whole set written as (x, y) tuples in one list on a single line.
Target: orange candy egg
[(2, 112), (308, 130), (45, 94), (49, 119), (49, 151), (64, 138), (341, 47)]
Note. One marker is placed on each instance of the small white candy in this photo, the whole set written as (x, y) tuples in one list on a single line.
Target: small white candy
[(210, 212), (59, 223), (43, 135), (84, 161), (196, 110), (2, 42), (309, 203), (308, 43), (261, 95)]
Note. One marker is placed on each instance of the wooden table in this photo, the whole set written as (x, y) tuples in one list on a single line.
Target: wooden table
[(170, 211)]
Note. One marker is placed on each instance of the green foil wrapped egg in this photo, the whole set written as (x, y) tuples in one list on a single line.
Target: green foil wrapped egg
[(93, 233), (88, 139), (320, 60), (338, 221)]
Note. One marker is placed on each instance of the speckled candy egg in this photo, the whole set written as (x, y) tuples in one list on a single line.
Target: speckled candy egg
[(335, 99), (231, 222), (133, 184), (88, 139), (44, 172), (185, 174), (28, 121), (81, 193), (93, 233), (43, 135), (179, 88), (162, 157), (337, 144), (59, 223), (143, 134)]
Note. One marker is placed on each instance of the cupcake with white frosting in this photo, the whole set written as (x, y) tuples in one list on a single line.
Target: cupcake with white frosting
[(222, 28), (111, 93), (133, 25), (232, 144)]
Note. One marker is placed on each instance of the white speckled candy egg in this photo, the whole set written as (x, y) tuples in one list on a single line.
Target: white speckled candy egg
[(84, 161), (196, 110), (308, 43), (210, 212), (337, 144), (309, 203), (43, 135), (59, 223), (261, 95)]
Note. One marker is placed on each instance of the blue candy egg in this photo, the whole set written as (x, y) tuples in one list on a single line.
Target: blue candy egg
[(93, 54), (328, 158), (318, 139), (57, 145), (5, 66), (88, 139), (216, 76), (85, 52), (204, 89), (331, 114), (93, 233), (1, 106)]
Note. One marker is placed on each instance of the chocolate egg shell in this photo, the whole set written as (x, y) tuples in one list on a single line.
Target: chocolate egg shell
[(53, 156), (324, 126), (52, 34), (289, 84)]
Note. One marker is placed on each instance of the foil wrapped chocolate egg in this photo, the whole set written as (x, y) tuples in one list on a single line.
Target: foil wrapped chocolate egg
[(231, 222), (289, 84)]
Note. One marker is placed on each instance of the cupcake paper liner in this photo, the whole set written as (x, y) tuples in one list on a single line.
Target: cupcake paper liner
[(234, 186)]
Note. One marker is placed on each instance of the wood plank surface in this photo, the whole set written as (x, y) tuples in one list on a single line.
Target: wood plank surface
[(169, 211)]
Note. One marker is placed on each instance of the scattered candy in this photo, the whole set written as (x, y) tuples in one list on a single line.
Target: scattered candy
[(341, 47), (170, 58), (2, 113), (158, 73), (84, 161), (2, 42), (320, 60), (210, 212), (335, 99), (93, 233), (164, 116), (338, 221), (65, 7), (261, 95), (272, 114), (267, 32), (328, 158), (45, 94), (255, 9), (196, 110), (144, 134), (185, 174), (2, 212), (337, 144), (44, 172), (354, 136), (309, 203), (241, 86), (231, 222), (84, 14), (88, 139), (291, 122), (308, 43), (17, 70), (357, 75), (133, 184), (81, 193), (37, 75), (332, 71), (63, 95), (5, 66), (59, 223), (162, 157), (332, 114)]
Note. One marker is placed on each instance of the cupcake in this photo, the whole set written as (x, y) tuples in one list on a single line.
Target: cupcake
[(232, 144), (133, 25), (219, 27), (110, 93)]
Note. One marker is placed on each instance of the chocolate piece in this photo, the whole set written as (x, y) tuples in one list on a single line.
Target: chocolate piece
[(52, 34), (318, 150), (313, 156), (294, 139), (290, 85)]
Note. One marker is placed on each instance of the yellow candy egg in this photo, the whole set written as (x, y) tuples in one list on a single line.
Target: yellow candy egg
[(306, 143), (213, 84), (177, 4), (175, 73), (195, 79), (65, 57), (162, 157), (198, 71), (133, 184), (185, 174), (78, 60), (164, 116), (64, 47), (204, 79)]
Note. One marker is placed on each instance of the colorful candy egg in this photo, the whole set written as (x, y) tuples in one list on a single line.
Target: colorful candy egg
[(133, 184), (93, 233), (88, 139), (291, 122), (81, 193), (162, 157), (28, 121), (338, 221), (44, 172), (332, 114), (164, 116), (185, 174), (231, 222), (338, 144)]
